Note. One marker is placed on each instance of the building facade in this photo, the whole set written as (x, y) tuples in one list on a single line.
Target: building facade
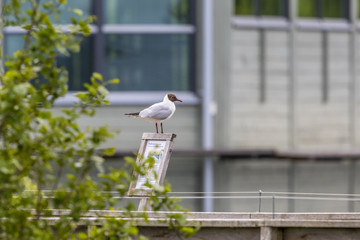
[(250, 76)]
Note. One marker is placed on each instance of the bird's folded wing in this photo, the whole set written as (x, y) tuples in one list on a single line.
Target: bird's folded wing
[(158, 112)]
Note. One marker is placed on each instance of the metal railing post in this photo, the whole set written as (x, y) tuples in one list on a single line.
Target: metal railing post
[(260, 192)]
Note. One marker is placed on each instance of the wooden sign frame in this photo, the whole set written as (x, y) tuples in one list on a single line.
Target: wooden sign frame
[(159, 146)]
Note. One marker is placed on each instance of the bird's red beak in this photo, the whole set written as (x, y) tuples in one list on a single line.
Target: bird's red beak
[(178, 100)]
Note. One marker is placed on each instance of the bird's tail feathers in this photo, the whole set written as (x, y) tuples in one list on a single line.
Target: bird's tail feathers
[(133, 114)]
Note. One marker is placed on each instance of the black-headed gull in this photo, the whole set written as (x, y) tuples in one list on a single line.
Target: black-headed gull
[(158, 112)]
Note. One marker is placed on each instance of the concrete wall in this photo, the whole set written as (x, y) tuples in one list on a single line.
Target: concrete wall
[(264, 233), (264, 227), (247, 226)]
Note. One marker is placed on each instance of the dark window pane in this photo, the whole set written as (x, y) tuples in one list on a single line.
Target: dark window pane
[(149, 61), (307, 8), (244, 7), (13, 43), (79, 65), (147, 12), (271, 7), (321, 8), (259, 7), (333, 8)]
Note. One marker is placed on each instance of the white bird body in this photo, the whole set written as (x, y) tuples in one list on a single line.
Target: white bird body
[(158, 112)]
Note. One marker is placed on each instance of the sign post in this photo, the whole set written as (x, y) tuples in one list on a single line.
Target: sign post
[(159, 147)]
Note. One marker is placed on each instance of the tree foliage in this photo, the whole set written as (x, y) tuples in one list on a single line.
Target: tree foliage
[(41, 151)]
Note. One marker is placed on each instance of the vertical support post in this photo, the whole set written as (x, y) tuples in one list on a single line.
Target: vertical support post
[(273, 206), (144, 205), (207, 101), (260, 192), (270, 233), (351, 183), (291, 185), (292, 73), (353, 85)]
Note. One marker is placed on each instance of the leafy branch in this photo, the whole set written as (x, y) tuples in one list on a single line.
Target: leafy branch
[(47, 161)]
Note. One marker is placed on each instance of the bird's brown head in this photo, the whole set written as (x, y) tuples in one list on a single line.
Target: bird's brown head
[(172, 97)]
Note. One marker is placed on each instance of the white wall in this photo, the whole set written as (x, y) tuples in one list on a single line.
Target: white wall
[(319, 125)]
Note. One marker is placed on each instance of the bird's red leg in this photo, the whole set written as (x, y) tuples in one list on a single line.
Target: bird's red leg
[(161, 128), (157, 131)]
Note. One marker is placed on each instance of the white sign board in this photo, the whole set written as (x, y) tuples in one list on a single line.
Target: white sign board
[(154, 149), (159, 147)]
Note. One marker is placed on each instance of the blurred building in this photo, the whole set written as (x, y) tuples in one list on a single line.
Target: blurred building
[(252, 74)]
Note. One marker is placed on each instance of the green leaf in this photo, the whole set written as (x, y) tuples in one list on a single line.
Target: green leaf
[(103, 91), (45, 114), (21, 89), (114, 81), (97, 76), (82, 95), (133, 230), (189, 231), (78, 12), (82, 235), (109, 151)]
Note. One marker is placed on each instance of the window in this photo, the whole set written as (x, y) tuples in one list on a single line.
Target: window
[(148, 45), (148, 61), (260, 7), (79, 65), (323, 8), (147, 12)]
